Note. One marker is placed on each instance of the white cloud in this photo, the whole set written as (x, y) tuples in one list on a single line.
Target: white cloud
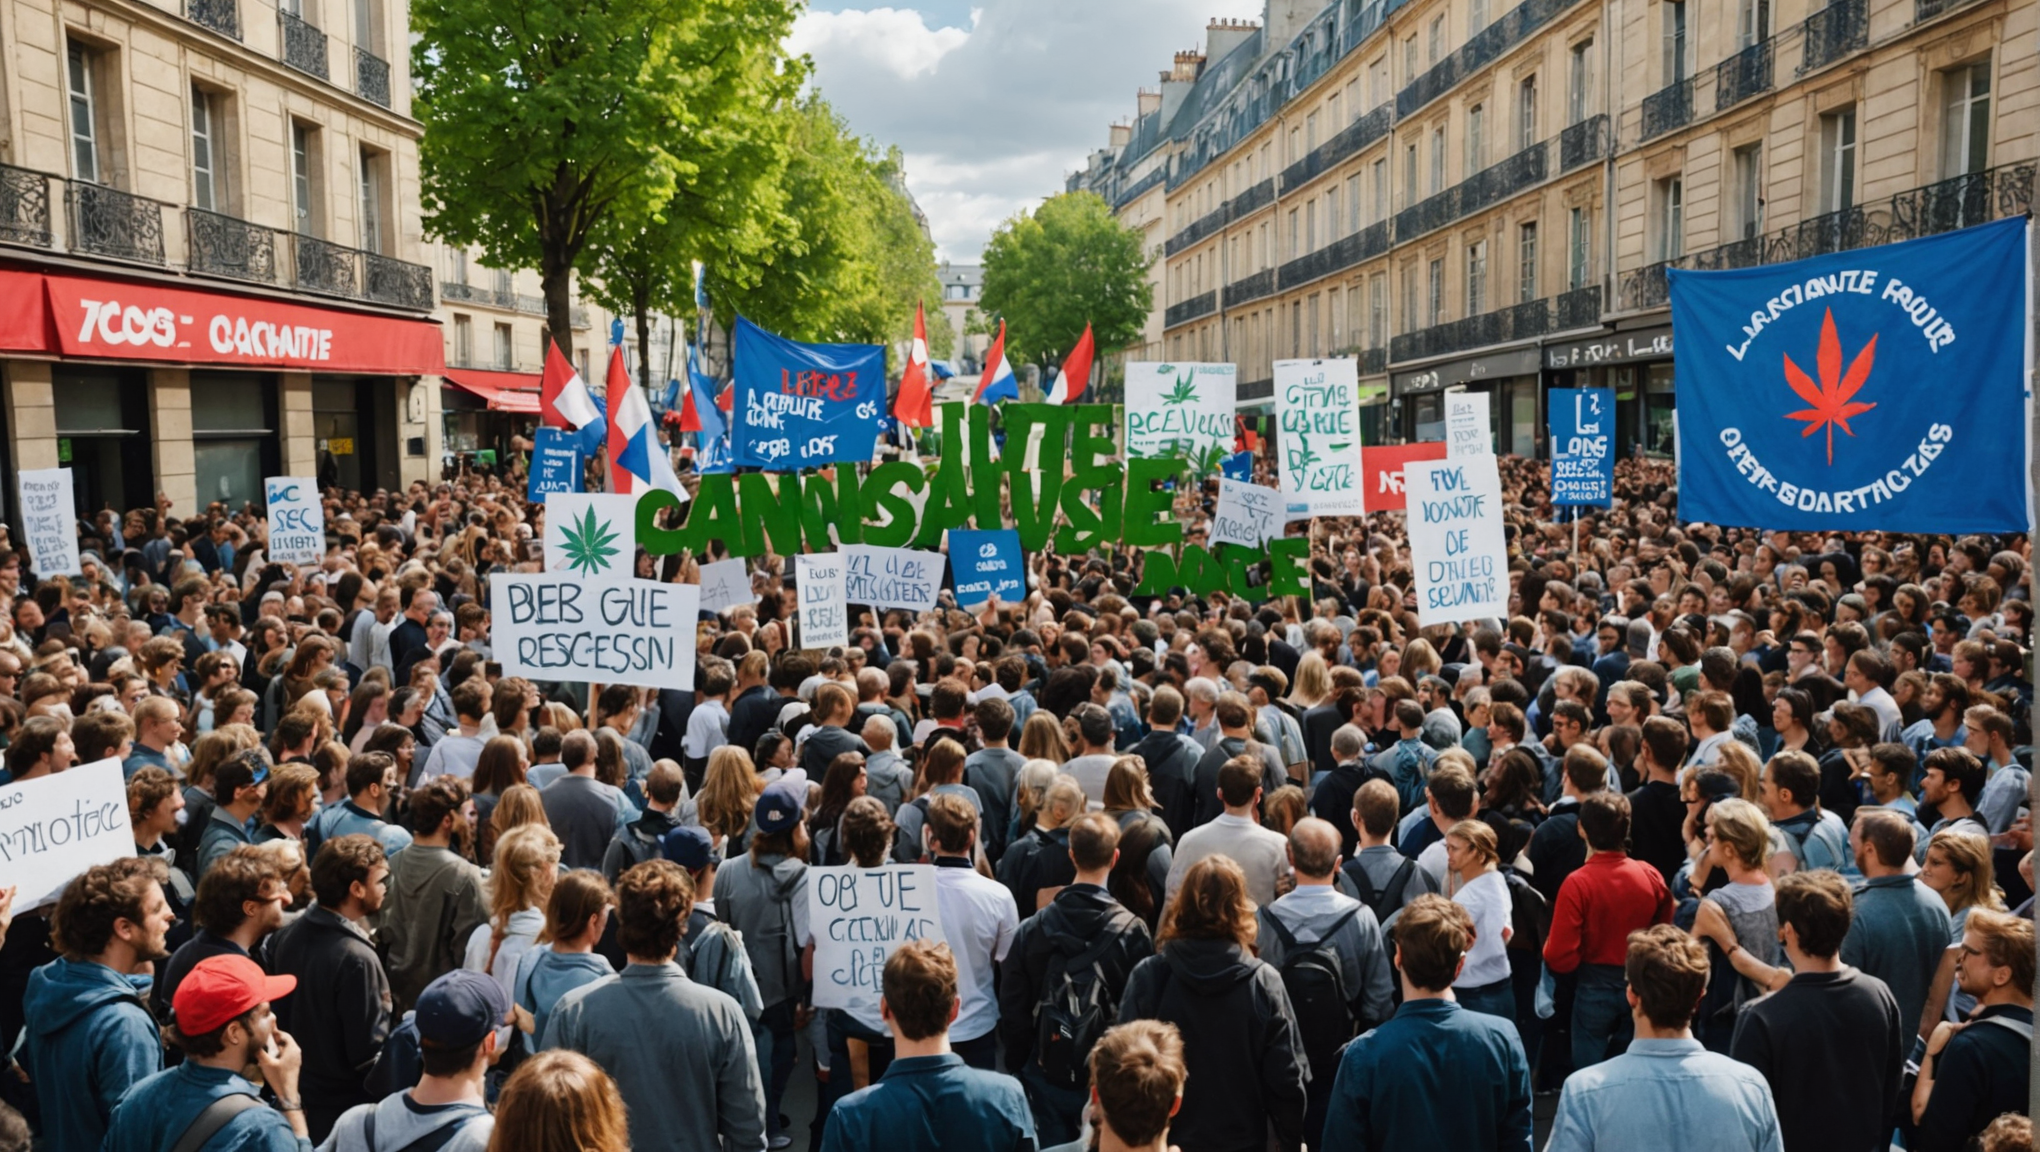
[(993, 118)]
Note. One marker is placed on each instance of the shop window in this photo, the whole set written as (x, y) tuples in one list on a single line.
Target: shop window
[(1428, 411), (1523, 419), (233, 433), (1657, 411), (102, 419)]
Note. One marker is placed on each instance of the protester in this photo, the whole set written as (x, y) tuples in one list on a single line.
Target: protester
[(764, 897), (559, 1102), (459, 1018), (1604, 901), (239, 903), (1971, 1073), (436, 896)]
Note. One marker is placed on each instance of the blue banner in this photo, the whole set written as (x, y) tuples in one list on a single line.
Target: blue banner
[(804, 405), (1238, 466), (1882, 388), (555, 463), (1582, 446), (987, 564)]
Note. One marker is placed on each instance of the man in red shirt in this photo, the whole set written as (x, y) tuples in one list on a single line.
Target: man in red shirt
[(1598, 906)]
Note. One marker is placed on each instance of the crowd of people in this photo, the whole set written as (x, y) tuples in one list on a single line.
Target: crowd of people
[(1721, 839)]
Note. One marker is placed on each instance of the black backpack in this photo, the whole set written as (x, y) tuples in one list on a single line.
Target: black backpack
[(1390, 895), (1075, 1009), (1316, 983)]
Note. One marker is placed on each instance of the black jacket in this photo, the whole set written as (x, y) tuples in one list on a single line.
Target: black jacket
[(1318, 724), (340, 1012), (1556, 850), (751, 714), (1332, 801), (1078, 917), (1040, 859), (824, 744), (1172, 775), (1238, 1032)]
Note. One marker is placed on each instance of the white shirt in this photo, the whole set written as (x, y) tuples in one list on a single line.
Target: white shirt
[(1889, 721), (978, 921), (454, 755), (708, 728), (1091, 771), (1487, 899)]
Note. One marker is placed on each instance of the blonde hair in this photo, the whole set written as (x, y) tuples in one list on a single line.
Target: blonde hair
[(1740, 763), (1064, 802), (1969, 855), (1743, 828), (1041, 738), (1479, 838), (527, 863), (1313, 681), (729, 790), (1455, 756), (1419, 660)]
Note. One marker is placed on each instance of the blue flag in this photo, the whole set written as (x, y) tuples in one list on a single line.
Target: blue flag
[(1238, 466), (555, 463), (1582, 446), (1882, 388), (804, 405), (987, 564), (591, 438)]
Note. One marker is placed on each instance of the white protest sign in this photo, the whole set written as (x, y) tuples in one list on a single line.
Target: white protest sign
[(54, 827), (594, 629), (891, 577), (49, 521), (297, 520), (1317, 419), (824, 615), (1180, 409), (1469, 429), (859, 916), (1246, 513), (725, 584), (590, 534), (1456, 540)]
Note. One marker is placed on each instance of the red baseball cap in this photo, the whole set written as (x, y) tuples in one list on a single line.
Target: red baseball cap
[(219, 988)]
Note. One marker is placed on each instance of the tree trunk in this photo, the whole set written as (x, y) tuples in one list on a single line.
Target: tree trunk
[(641, 310), (557, 279)]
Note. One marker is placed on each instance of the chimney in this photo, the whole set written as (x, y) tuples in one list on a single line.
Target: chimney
[(1284, 19), (1222, 36), (1148, 100), (1122, 135), (1189, 65)]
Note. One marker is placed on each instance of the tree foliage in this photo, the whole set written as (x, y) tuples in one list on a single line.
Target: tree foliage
[(1068, 263)]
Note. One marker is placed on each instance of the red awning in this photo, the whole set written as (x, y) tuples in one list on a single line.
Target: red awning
[(24, 317), (504, 391)]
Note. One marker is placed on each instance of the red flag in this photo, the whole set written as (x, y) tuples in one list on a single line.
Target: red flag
[(619, 439), (1076, 372), (690, 420), (915, 407), (563, 396)]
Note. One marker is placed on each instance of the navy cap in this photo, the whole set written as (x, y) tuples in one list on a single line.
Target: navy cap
[(781, 805), (690, 847), (460, 1008)]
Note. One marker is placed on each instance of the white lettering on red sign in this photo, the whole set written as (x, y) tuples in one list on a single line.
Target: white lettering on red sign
[(109, 322)]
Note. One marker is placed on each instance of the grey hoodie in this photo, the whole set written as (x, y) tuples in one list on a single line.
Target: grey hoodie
[(399, 1123), (765, 899)]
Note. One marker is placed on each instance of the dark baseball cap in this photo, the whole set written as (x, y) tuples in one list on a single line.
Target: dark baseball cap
[(691, 847), (781, 805), (460, 1008)]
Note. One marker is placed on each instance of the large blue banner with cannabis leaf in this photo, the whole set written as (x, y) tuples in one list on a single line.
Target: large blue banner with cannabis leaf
[(1882, 388)]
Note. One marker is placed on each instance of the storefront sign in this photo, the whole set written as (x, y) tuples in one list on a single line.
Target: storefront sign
[(1319, 433), (1179, 409), (108, 319), (892, 577), (1469, 424), (1621, 348), (1456, 540), (824, 613), (1381, 472), (1582, 446), (725, 584), (49, 521), (54, 827), (1246, 514), (1516, 362), (554, 626), (555, 464), (590, 534), (297, 520), (860, 916)]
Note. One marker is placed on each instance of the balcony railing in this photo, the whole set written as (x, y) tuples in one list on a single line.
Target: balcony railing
[(1505, 325), (1579, 308), (1198, 229), (1373, 361), (1356, 136), (455, 290), (1252, 287), (1925, 10), (304, 47), (371, 77), (24, 206), (1583, 143), (1833, 32), (1976, 198), (1668, 108), (109, 222), (392, 281), (1197, 306), (324, 267), (1337, 256), (1481, 49), (222, 16), (221, 245), (1489, 186), (1743, 75), (1254, 198)]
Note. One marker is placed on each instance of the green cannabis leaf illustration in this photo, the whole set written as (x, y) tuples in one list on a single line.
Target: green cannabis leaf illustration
[(1183, 393), (590, 544)]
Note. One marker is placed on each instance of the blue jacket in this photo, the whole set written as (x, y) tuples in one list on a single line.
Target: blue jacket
[(1434, 1076), (222, 835), (346, 818), (930, 1104), (159, 1109), (90, 1039), (1898, 934)]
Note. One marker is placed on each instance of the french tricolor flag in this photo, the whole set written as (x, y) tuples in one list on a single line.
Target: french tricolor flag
[(564, 401), (1076, 371), (997, 382), (637, 460)]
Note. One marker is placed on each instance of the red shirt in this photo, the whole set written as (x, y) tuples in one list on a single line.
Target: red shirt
[(1599, 905)]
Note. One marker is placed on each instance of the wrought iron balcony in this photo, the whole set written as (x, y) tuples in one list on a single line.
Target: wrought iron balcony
[(1258, 196), (304, 47), (392, 281), (1133, 191), (1976, 198), (1252, 287), (1743, 75), (1583, 143), (323, 267), (1481, 49), (1194, 308), (1833, 32), (1489, 186), (1356, 136), (222, 16), (1503, 326), (1925, 10), (371, 77), (1198, 229), (1251, 391), (1668, 108), (220, 245), (529, 305), (1373, 361), (452, 290), (109, 222), (1579, 308), (1337, 256), (24, 206)]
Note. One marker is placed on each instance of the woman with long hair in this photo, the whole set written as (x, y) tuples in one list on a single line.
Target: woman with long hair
[(1513, 787), (1743, 913), (1030, 787), (576, 915), (844, 782), (729, 791), (1473, 862), (366, 710), (527, 864), (500, 767), (1792, 718), (1231, 1008), (560, 1101), (1957, 868), (1313, 682), (1853, 729), (397, 742), (314, 655), (1041, 738), (1140, 877)]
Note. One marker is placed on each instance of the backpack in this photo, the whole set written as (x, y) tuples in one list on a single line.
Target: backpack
[(637, 847), (1074, 1011), (1390, 895), (431, 1141), (1316, 983)]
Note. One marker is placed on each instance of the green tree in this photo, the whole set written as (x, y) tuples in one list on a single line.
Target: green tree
[(547, 120), (1068, 263)]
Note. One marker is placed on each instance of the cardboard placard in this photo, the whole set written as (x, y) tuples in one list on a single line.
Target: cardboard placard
[(551, 626)]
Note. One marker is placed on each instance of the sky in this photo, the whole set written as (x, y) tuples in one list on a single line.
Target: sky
[(994, 102)]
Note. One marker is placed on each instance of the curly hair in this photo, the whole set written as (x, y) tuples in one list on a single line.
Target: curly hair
[(83, 923)]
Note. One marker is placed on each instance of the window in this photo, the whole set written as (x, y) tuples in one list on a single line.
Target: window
[(371, 202), (1310, 226), (1579, 91), (1671, 231), (84, 115), (1409, 175), (1331, 212), (1437, 37), (1409, 298), (1749, 190), (1965, 124), (1437, 159), (463, 340), (506, 355), (457, 265), (1332, 107), (1295, 145), (1409, 59), (303, 177), (1838, 160), (1295, 235), (1479, 13), (1434, 293), (1476, 278), (1311, 327), (1377, 82), (1753, 22), (1674, 41), (1353, 203), (205, 176), (1581, 244), (1310, 134), (1296, 328), (1377, 310), (1476, 139), (503, 285), (1337, 319), (364, 26), (1526, 262), (1381, 190), (1526, 113)]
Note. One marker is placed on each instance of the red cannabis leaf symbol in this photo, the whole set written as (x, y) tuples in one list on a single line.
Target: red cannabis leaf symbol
[(1831, 397)]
